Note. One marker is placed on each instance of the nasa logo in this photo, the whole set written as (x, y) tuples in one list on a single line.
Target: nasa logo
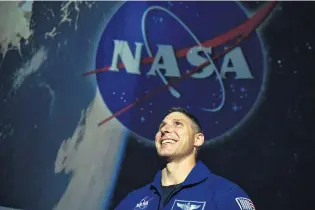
[(143, 204), (205, 56)]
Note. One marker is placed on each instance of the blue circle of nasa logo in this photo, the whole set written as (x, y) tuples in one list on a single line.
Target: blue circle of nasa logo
[(203, 56)]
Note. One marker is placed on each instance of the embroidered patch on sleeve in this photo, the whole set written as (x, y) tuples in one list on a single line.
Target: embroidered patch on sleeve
[(245, 203)]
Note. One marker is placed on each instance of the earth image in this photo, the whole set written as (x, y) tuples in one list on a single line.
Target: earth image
[(52, 151)]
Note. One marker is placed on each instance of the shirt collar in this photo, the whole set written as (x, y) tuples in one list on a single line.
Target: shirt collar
[(199, 173)]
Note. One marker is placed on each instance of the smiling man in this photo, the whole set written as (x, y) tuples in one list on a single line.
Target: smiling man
[(184, 183)]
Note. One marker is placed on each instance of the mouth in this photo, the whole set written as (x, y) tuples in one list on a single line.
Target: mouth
[(168, 141)]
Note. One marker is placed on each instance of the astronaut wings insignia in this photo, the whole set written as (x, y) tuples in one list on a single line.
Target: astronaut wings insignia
[(188, 206)]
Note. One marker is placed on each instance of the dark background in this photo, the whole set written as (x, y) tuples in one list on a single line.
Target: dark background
[(272, 156)]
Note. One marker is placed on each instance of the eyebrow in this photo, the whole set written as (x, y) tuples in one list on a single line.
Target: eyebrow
[(179, 120), (163, 122)]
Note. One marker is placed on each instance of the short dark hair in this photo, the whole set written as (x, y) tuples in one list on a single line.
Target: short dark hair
[(188, 114)]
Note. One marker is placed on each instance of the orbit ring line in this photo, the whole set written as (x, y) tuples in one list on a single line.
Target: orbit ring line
[(173, 91)]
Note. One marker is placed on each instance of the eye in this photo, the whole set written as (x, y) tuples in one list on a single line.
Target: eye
[(178, 123)]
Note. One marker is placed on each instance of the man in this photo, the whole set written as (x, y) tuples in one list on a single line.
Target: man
[(184, 183)]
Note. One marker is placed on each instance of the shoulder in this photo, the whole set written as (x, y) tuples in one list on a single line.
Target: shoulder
[(229, 195), (131, 199), (225, 186)]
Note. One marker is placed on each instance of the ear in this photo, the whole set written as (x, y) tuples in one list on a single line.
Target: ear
[(199, 139)]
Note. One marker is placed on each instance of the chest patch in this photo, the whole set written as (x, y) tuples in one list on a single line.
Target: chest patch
[(188, 205), (143, 203)]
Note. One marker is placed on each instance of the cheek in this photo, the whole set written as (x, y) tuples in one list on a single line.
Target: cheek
[(186, 139), (157, 136), (181, 134)]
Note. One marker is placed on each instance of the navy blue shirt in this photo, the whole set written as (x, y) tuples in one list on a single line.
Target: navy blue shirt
[(201, 190)]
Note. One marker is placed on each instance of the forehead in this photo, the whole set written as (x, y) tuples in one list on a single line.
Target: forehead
[(177, 116)]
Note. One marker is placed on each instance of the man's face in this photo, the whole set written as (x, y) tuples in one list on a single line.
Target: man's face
[(176, 136)]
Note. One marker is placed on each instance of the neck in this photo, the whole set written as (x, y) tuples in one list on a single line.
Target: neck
[(176, 171)]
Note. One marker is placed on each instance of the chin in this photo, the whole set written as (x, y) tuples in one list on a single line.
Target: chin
[(165, 154)]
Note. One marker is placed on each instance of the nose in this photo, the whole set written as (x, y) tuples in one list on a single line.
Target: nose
[(166, 129)]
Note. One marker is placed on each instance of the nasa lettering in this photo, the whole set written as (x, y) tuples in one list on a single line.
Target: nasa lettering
[(146, 45)]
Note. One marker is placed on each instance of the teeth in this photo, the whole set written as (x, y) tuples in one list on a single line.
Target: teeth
[(168, 141)]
